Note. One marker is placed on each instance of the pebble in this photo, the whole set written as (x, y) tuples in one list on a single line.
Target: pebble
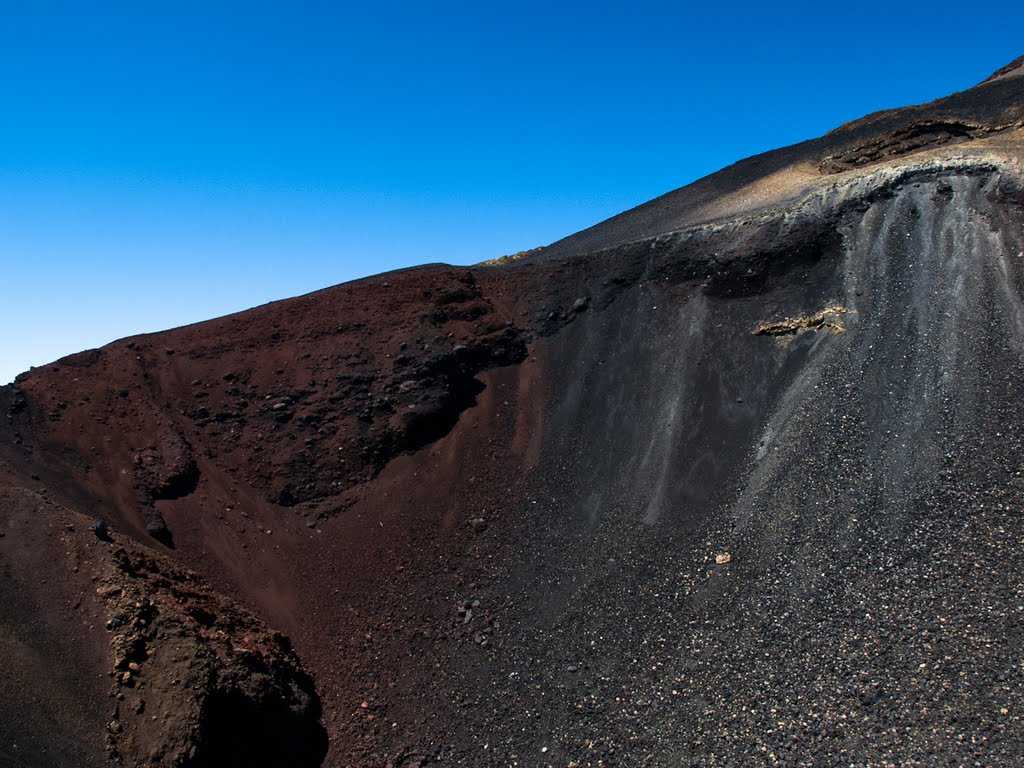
[(99, 529)]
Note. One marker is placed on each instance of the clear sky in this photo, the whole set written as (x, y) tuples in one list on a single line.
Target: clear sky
[(162, 163)]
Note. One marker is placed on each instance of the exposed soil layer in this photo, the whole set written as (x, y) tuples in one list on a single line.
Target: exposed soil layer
[(912, 138), (830, 317), (731, 479)]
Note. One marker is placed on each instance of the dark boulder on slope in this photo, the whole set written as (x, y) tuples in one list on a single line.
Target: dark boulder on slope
[(759, 504)]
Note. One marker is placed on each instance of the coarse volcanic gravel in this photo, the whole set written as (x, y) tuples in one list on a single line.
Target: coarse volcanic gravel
[(869, 612)]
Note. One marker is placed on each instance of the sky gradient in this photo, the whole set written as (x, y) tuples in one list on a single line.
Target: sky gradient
[(162, 164)]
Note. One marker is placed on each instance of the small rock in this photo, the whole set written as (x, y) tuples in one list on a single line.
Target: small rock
[(479, 524), (580, 305), (723, 557), (115, 622), (99, 528), (158, 530)]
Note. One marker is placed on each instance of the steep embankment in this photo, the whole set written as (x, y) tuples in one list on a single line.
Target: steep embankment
[(730, 479), (794, 549)]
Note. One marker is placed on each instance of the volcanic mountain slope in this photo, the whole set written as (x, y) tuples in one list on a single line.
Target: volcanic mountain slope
[(733, 478)]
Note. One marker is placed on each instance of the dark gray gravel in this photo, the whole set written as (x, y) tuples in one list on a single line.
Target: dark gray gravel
[(864, 489)]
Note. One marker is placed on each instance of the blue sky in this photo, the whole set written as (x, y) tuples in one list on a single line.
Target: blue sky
[(163, 163)]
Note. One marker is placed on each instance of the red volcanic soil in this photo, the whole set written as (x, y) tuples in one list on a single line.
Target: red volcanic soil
[(731, 479), (289, 454)]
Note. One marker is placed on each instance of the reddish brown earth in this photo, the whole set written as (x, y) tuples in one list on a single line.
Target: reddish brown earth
[(295, 465), (575, 509)]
